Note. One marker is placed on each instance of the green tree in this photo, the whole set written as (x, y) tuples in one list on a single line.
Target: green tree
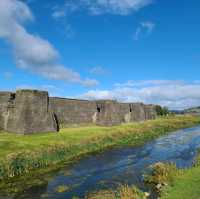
[(162, 111)]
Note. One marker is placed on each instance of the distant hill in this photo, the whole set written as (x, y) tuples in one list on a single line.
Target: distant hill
[(195, 110), (177, 112), (192, 110)]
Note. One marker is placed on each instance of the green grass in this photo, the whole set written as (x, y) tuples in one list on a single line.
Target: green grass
[(22, 154), (185, 185), (175, 183)]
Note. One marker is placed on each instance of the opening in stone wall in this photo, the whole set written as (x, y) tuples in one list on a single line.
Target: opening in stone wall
[(12, 97), (98, 109), (130, 108), (57, 122)]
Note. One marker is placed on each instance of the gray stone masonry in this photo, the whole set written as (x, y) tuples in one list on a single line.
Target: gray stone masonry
[(33, 111)]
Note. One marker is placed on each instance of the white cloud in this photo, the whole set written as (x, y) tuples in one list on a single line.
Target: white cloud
[(68, 7), (120, 7), (137, 33), (99, 7), (172, 93), (90, 82), (31, 51), (146, 27), (59, 13), (8, 75), (98, 70), (68, 31), (148, 83)]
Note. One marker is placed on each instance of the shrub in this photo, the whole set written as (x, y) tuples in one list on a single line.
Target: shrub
[(161, 174)]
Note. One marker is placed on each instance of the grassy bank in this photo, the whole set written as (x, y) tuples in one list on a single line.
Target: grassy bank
[(184, 184), (21, 154), (172, 183)]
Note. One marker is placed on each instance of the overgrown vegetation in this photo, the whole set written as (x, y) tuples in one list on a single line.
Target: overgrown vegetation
[(122, 192), (160, 176), (20, 155), (172, 183), (162, 173)]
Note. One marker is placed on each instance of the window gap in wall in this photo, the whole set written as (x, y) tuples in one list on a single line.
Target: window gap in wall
[(98, 110), (130, 109)]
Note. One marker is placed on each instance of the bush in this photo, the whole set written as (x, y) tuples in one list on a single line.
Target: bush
[(162, 111)]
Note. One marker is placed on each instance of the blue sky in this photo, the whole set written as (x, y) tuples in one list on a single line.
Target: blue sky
[(129, 50)]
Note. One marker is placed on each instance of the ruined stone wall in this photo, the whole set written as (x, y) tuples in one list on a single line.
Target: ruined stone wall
[(136, 112), (5, 97), (150, 112), (32, 111), (28, 112), (113, 113), (108, 113), (72, 112), (125, 113)]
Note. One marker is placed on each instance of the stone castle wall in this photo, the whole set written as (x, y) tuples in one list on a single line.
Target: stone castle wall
[(26, 112), (32, 111), (4, 103), (70, 111)]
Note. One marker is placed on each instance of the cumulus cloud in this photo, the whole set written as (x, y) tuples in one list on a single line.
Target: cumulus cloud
[(174, 94), (146, 27), (99, 7), (31, 51)]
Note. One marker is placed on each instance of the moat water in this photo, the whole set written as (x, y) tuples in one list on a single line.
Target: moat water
[(114, 167)]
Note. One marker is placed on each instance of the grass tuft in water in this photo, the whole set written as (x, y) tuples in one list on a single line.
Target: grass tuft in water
[(161, 173), (62, 188), (122, 192)]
